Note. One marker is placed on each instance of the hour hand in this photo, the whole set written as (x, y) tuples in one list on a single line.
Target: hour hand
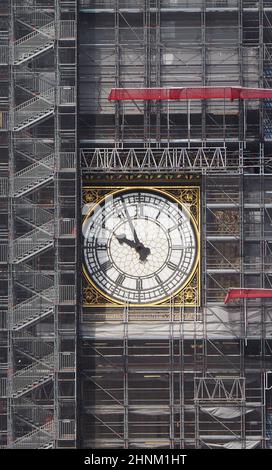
[(123, 239), (142, 251)]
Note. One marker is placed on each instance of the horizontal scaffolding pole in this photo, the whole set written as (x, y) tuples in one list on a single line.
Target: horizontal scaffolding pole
[(195, 93)]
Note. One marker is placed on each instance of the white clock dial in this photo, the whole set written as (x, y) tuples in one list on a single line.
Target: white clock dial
[(140, 246)]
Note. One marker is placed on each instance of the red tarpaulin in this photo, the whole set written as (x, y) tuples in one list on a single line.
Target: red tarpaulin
[(248, 294), (196, 93)]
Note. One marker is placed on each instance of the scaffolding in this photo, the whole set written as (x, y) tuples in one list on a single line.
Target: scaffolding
[(164, 378), (147, 378), (38, 250)]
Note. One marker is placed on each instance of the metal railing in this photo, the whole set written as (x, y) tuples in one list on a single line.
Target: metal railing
[(32, 15), (3, 253), (33, 109), (47, 30), (32, 147), (34, 240), (4, 120), (34, 83), (66, 429), (35, 347), (32, 213), (34, 43), (34, 414), (38, 234), (67, 29), (34, 173), (67, 227), (4, 187), (34, 279), (4, 55), (31, 309), (67, 95), (30, 312), (35, 439), (3, 387), (46, 162), (67, 294), (67, 360), (32, 375), (67, 160), (3, 320)]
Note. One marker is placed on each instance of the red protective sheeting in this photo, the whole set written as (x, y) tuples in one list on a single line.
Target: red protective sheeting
[(196, 93), (248, 294)]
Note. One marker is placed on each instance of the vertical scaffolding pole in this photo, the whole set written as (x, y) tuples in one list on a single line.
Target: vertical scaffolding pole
[(125, 379)]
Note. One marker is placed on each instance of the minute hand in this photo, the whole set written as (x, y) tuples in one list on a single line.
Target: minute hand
[(140, 248), (137, 241)]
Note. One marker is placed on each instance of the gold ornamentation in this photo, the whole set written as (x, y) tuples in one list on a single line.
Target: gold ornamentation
[(189, 295), (141, 177), (92, 297), (93, 195), (90, 196), (190, 198)]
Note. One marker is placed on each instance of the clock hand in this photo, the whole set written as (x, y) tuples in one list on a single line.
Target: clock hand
[(137, 241), (143, 252), (139, 247), (122, 239)]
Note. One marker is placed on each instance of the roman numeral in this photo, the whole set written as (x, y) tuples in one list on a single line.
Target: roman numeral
[(158, 279), (158, 215), (139, 210), (120, 211), (139, 284), (177, 247), (120, 279), (106, 265), (101, 247), (120, 214), (172, 266), (173, 228)]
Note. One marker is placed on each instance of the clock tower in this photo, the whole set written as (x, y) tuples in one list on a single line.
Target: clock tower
[(175, 146)]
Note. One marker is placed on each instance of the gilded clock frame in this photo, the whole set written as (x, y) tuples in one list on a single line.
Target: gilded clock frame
[(189, 294)]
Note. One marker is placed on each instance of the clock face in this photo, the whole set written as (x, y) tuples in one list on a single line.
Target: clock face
[(140, 246)]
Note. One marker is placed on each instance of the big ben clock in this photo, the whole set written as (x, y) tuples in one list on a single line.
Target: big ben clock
[(141, 245)]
